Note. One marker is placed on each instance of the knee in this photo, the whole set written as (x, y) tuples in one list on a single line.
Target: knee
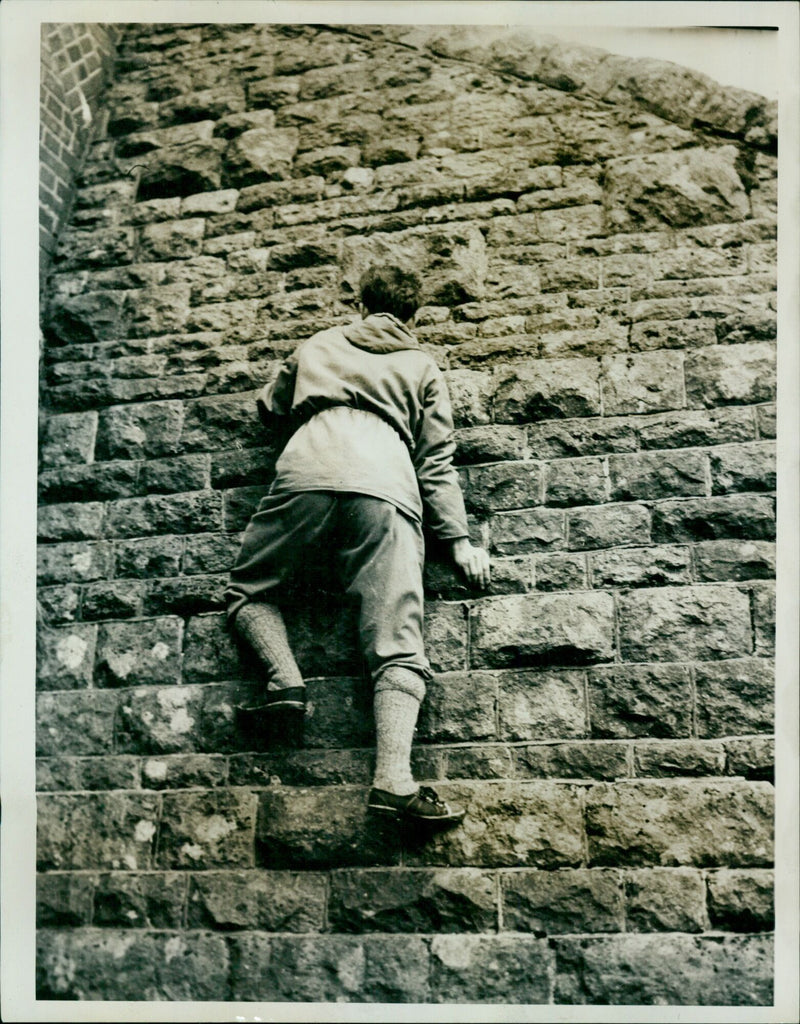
[(406, 680)]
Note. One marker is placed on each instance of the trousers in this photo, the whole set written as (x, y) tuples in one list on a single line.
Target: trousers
[(378, 554)]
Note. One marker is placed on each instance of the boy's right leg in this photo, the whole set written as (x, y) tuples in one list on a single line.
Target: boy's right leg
[(262, 627)]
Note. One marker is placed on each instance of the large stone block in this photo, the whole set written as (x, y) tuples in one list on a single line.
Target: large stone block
[(127, 900), (575, 482), (104, 248), (590, 760), (112, 831), (551, 389), (764, 596), (65, 657), (92, 772), (172, 240), (752, 758), (193, 512), (397, 900), (102, 964), (91, 316), (639, 700), (741, 901), (681, 188), (675, 823), (330, 969), (271, 901), (168, 476), (549, 628), (321, 827), (734, 560), (657, 475), (184, 771), (743, 468), (665, 970), (148, 557), (470, 394), (640, 567), (665, 900), (149, 430), (69, 521), (530, 530), (731, 375), (161, 721), (684, 623), (260, 154), (608, 526), (212, 829), (559, 572), (114, 599), (186, 595), (459, 707), (489, 444), (569, 900), (735, 697), (678, 757), (146, 651), (642, 383), (182, 170), (68, 439), (559, 439), (445, 636), (736, 516), (338, 713), (209, 650), (490, 969), (508, 824), (213, 424), (79, 722), (64, 899), (541, 705)]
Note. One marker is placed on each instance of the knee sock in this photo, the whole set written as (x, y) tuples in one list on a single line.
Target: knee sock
[(262, 626), (398, 694)]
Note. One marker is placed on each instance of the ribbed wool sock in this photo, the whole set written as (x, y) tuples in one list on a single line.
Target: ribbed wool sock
[(262, 626), (396, 714)]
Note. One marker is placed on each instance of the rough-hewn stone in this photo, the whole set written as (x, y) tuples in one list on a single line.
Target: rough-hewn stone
[(490, 969), (65, 657), (541, 705), (731, 375), (736, 516), (735, 697), (741, 901), (130, 653), (207, 830), (273, 901), (639, 700), (553, 902), (664, 900)]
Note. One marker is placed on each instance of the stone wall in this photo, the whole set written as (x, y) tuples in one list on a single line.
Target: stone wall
[(597, 241)]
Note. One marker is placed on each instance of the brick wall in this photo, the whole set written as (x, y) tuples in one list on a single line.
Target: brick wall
[(76, 64), (597, 241)]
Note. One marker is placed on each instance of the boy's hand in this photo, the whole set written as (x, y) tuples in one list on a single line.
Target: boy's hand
[(472, 561)]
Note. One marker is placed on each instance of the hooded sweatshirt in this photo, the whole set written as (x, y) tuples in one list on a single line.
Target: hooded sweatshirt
[(375, 419)]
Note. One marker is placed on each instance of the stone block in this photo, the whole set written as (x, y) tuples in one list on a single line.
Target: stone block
[(735, 697), (96, 482), (65, 657), (165, 720), (485, 761), (560, 572), (78, 722), (549, 628), (84, 831), (743, 468), (502, 487), (592, 760), (148, 557), (665, 900), (674, 823), (209, 650), (640, 567), (242, 468), (639, 700), (280, 193), (182, 170), (68, 439), (172, 240), (163, 309), (734, 560), (73, 562), (575, 482), (145, 651), (458, 707), (569, 900), (679, 757), (184, 771), (94, 771), (731, 375), (608, 526), (659, 970), (271, 901), (552, 389), (89, 317), (508, 824), (490, 969), (767, 421), (541, 705), (219, 423), (558, 439), (470, 396), (63, 900), (321, 827), (124, 900), (660, 334), (752, 758), (764, 617), (642, 383), (58, 605), (529, 530), (168, 476), (193, 512), (398, 900), (684, 623), (115, 599), (70, 521), (131, 965), (445, 636), (327, 162), (741, 901), (104, 248), (680, 188), (330, 969), (260, 154), (657, 475), (338, 713), (696, 427), (149, 430), (489, 444), (186, 595), (735, 516), (204, 830), (306, 768)]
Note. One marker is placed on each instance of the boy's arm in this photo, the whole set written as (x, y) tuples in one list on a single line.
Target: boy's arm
[(275, 399), (439, 485)]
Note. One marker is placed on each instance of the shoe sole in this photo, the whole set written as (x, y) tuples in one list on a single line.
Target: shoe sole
[(282, 705), (393, 812)]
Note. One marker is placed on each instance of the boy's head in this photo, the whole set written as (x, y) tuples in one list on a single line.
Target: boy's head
[(389, 289)]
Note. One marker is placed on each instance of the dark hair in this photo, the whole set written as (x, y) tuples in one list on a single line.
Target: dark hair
[(390, 290)]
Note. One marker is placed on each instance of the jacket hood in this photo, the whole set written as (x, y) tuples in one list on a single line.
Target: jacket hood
[(380, 333)]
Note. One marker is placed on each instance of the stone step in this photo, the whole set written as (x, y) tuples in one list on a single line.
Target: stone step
[(537, 823), (413, 900), (254, 966)]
